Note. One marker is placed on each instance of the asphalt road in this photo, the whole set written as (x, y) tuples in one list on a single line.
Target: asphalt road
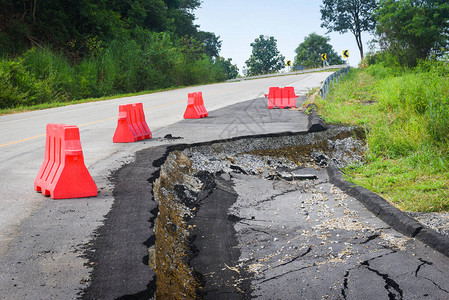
[(276, 237), (42, 241)]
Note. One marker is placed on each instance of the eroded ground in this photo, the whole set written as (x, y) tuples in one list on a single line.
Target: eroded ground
[(257, 224)]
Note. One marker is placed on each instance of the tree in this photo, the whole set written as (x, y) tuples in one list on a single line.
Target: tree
[(212, 43), (411, 30), (265, 57), (308, 53), (355, 16), (231, 71), (73, 24)]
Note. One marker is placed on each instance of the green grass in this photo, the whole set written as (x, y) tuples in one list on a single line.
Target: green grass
[(406, 118)]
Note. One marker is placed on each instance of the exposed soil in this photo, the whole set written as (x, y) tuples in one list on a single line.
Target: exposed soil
[(195, 250)]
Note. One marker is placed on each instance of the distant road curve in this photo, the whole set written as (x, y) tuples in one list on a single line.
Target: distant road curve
[(328, 68)]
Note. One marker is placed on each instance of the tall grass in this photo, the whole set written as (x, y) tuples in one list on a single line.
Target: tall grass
[(406, 115), (150, 61)]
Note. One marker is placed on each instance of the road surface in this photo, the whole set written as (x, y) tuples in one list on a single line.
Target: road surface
[(43, 238)]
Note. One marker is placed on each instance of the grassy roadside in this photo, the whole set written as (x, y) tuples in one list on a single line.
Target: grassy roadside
[(406, 117)]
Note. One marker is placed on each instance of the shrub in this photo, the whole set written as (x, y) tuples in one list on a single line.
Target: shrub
[(146, 61), (19, 87)]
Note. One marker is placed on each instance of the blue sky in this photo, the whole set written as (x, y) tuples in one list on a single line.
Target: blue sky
[(238, 23)]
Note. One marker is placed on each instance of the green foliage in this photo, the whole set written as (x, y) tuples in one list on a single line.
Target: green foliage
[(411, 30), (354, 16), (68, 50), (265, 57), (405, 113), (148, 61), (211, 43), (18, 87), (308, 52), (84, 27), (231, 71), (191, 48), (12, 37), (382, 58)]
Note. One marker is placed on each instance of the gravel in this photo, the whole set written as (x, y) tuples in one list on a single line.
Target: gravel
[(438, 221), (233, 157)]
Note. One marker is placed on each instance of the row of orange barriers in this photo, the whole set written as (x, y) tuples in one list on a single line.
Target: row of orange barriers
[(63, 173)]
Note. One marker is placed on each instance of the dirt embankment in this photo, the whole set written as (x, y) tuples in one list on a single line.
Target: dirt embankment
[(194, 192)]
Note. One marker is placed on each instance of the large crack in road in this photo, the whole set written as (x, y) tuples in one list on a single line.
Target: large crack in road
[(240, 220), (265, 215)]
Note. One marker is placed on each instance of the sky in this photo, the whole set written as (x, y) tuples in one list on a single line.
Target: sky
[(240, 22)]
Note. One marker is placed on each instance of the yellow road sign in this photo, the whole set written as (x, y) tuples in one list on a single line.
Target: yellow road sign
[(345, 53), (289, 63), (324, 56)]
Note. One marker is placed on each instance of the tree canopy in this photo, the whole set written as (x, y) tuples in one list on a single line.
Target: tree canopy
[(308, 52), (265, 57), (411, 30), (355, 16), (73, 25), (63, 50)]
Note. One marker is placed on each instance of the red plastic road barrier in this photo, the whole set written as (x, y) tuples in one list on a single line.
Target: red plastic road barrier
[(274, 97), (201, 104), (63, 174), (289, 96), (131, 125), (195, 106), (281, 97)]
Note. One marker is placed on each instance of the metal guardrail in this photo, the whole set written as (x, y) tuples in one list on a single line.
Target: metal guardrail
[(331, 80), (288, 73)]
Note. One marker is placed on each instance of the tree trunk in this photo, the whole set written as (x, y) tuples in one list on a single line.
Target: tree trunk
[(34, 12), (358, 38)]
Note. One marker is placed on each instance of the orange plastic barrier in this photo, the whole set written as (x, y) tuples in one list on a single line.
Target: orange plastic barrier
[(195, 106), (289, 96), (131, 125), (281, 97), (63, 174), (274, 97)]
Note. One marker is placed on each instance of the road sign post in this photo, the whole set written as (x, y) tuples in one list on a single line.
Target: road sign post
[(346, 55), (324, 58)]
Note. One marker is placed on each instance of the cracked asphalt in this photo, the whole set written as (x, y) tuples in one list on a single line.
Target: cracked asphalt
[(299, 239), (306, 239), (289, 239)]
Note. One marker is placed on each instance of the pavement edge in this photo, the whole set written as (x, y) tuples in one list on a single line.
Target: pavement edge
[(391, 215)]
